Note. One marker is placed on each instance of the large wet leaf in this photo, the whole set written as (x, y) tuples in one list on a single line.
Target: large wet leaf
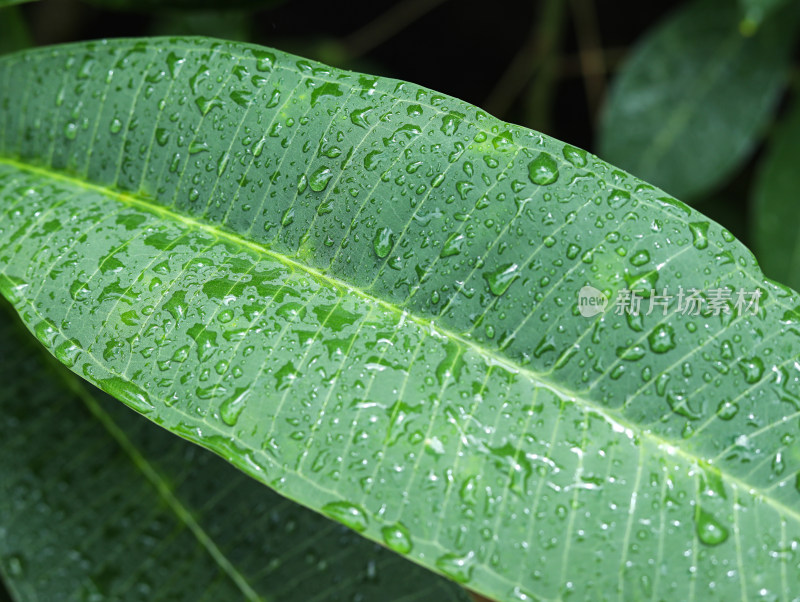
[(693, 99), (365, 294), (130, 512)]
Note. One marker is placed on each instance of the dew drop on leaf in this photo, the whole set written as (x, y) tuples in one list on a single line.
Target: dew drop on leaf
[(709, 529), (457, 567), (500, 279), (320, 178), (348, 514), (699, 234), (397, 538), (383, 242), (662, 339), (752, 369), (543, 170)]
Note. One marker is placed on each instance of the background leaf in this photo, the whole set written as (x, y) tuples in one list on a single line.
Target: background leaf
[(692, 100), (756, 11), (776, 237), (98, 503), (365, 294)]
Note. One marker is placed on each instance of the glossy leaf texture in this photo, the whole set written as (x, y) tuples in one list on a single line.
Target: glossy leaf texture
[(776, 206), (97, 503), (692, 100), (365, 294)]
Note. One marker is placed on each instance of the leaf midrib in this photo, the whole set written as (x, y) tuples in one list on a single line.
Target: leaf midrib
[(537, 378)]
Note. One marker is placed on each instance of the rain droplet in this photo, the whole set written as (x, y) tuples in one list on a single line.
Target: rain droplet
[(457, 567), (500, 279), (727, 410), (348, 514), (397, 538), (383, 242), (543, 170), (574, 155), (700, 234), (320, 178), (116, 126), (662, 339), (709, 529), (752, 369)]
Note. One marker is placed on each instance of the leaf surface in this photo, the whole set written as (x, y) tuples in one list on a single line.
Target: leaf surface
[(365, 294), (98, 503), (693, 99)]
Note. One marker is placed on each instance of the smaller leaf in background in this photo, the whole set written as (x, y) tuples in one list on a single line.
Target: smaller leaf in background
[(693, 99), (97, 503), (158, 5), (755, 11), (5, 3), (14, 33), (228, 25), (776, 204)]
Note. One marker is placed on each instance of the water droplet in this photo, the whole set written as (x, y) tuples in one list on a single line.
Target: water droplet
[(574, 155), (727, 410), (71, 131), (709, 529), (752, 369), (543, 170), (383, 242), (397, 538), (662, 338), (700, 234), (348, 514), (116, 126), (457, 567), (500, 279), (641, 258), (452, 245), (288, 217), (320, 178)]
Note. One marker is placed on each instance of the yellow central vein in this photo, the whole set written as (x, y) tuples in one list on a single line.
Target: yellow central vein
[(664, 445)]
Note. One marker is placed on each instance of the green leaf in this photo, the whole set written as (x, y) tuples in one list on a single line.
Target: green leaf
[(188, 5), (14, 34), (776, 236), (366, 295), (756, 11), (692, 101), (144, 515)]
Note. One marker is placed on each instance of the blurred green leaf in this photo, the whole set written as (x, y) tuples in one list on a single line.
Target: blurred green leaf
[(156, 5), (97, 503), (755, 11), (693, 99), (14, 33), (227, 25), (776, 204)]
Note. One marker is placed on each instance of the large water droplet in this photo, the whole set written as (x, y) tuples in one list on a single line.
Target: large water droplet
[(397, 538), (752, 369), (662, 339), (348, 514), (543, 170), (320, 178), (457, 567), (500, 279), (709, 529), (700, 234), (383, 242)]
